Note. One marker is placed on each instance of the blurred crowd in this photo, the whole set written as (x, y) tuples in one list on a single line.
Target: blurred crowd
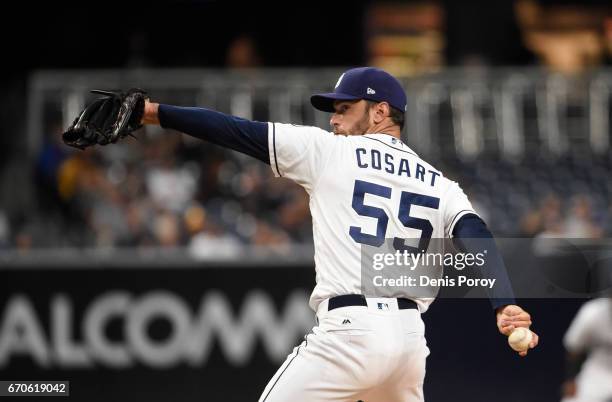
[(169, 190), (565, 196), (572, 218), (164, 189)]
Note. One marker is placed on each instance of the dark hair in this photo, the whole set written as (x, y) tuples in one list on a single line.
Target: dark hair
[(397, 116)]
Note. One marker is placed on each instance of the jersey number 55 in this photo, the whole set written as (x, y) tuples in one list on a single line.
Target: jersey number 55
[(406, 201)]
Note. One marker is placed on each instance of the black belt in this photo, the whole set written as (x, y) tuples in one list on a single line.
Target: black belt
[(360, 300)]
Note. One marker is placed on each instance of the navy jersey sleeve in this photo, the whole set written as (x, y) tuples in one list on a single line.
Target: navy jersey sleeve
[(471, 235), (248, 137)]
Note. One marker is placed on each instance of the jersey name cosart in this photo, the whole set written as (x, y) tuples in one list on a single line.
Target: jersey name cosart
[(373, 159)]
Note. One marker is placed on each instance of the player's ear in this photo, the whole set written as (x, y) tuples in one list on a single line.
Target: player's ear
[(381, 111)]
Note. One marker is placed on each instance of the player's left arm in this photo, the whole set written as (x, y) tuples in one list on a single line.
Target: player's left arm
[(470, 234), (242, 135), (294, 152)]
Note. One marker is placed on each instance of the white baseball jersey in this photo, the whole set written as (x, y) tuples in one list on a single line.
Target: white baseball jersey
[(363, 190), (591, 332)]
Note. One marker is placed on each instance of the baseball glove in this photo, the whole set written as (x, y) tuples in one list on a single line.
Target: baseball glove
[(108, 119)]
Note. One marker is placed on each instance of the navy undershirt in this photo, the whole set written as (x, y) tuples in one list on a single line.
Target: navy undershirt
[(248, 137), (251, 138), (471, 235)]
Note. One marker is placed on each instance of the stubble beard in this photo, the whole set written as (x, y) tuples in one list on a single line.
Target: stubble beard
[(359, 128)]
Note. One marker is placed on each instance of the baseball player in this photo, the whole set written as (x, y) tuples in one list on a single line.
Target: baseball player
[(588, 342), (365, 186)]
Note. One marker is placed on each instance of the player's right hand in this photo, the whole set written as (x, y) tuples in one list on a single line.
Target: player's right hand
[(512, 316)]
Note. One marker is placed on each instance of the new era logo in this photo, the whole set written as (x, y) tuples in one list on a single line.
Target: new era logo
[(346, 321), (370, 91)]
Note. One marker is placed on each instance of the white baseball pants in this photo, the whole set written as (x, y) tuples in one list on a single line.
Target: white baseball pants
[(374, 354)]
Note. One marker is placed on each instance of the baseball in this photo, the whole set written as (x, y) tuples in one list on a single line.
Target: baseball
[(519, 339)]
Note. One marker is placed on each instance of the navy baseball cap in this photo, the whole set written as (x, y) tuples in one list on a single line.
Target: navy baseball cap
[(363, 83)]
